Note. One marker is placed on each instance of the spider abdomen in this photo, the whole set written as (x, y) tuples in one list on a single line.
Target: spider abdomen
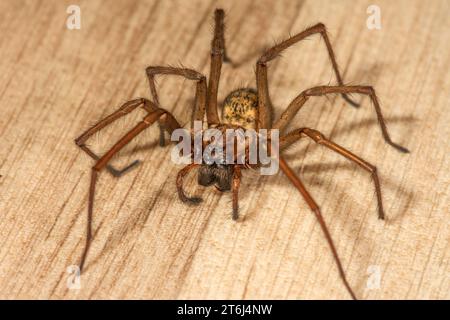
[(240, 108)]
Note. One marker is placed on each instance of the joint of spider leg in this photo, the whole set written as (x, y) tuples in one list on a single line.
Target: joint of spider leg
[(130, 107), (370, 90), (191, 74), (201, 79), (163, 118), (79, 141), (96, 169), (150, 72), (316, 91), (146, 121), (147, 105), (264, 59), (320, 25), (314, 134)]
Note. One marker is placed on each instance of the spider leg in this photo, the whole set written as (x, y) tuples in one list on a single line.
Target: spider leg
[(126, 108), (295, 180), (181, 193), (218, 55), (235, 190), (265, 107), (158, 114), (200, 92), (320, 139), (300, 100)]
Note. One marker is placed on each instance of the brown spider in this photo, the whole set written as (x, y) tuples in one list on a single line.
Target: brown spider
[(243, 108)]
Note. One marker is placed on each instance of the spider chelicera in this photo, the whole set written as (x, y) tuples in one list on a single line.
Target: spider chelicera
[(244, 108)]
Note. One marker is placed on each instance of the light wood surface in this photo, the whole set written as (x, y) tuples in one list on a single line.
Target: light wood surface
[(55, 82)]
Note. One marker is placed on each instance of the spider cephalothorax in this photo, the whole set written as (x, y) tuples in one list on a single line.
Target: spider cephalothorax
[(245, 109)]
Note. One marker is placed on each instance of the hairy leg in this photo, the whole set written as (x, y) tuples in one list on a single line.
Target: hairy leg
[(180, 177), (159, 114), (200, 92), (287, 116), (320, 139), (218, 55), (235, 190), (315, 208), (122, 111), (265, 105)]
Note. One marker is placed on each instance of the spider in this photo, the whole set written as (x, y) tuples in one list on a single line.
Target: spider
[(244, 108)]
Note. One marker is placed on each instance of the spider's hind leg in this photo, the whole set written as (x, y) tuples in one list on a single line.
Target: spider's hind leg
[(319, 138), (295, 180), (219, 35)]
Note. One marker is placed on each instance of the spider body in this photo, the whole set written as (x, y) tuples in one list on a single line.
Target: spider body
[(240, 108), (244, 109), (215, 170)]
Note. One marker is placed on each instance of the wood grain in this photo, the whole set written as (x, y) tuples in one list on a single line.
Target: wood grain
[(55, 82)]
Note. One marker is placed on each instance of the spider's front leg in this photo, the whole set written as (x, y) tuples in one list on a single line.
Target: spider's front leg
[(218, 55), (265, 106), (198, 112), (156, 114)]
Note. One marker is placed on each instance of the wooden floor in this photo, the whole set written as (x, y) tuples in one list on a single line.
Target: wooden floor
[(55, 82)]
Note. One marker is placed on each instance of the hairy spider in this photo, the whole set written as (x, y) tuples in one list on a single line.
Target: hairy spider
[(245, 108)]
